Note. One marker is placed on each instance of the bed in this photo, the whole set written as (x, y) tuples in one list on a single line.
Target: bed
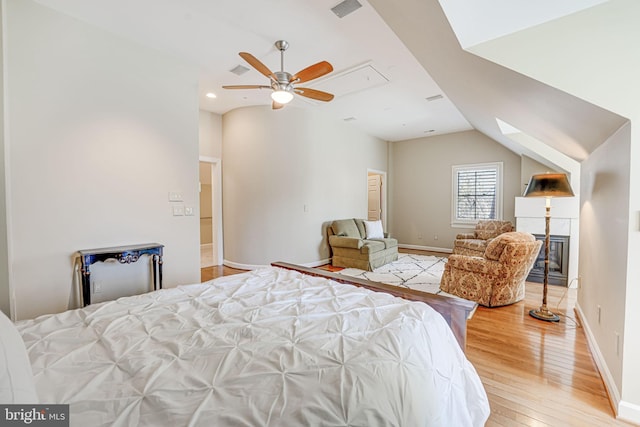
[(270, 347)]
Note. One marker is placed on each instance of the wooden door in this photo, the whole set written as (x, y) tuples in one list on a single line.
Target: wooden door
[(375, 201)]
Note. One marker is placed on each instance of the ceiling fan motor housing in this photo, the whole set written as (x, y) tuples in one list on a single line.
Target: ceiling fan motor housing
[(282, 81)]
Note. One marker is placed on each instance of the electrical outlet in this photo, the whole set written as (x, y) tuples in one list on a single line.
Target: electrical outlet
[(419, 236), (97, 287), (435, 237)]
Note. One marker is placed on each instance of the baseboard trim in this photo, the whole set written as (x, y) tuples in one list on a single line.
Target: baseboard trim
[(629, 412), (240, 266), (623, 410), (425, 248)]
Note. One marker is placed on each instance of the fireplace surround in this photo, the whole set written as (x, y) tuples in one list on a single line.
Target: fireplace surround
[(558, 261)]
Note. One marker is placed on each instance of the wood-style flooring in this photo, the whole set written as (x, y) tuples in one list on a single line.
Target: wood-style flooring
[(535, 373)]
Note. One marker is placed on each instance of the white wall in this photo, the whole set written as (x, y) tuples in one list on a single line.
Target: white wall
[(604, 230), (210, 134), (285, 174), (422, 189), (100, 131), (630, 405), (5, 291)]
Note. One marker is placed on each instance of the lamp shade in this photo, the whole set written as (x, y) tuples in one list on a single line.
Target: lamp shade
[(549, 185)]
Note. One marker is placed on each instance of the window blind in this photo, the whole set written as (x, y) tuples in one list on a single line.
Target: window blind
[(476, 194)]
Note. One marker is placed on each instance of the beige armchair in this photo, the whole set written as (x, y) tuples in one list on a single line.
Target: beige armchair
[(497, 278), (475, 243)]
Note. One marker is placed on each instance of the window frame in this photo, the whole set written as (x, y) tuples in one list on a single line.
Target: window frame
[(455, 170)]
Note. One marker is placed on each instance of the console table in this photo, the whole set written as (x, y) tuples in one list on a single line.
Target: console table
[(124, 255)]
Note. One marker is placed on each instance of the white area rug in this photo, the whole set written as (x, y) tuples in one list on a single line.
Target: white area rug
[(419, 272)]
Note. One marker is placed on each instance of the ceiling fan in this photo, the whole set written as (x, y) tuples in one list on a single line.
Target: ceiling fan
[(283, 83)]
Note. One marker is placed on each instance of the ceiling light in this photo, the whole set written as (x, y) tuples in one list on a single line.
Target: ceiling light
[(281, 96), (211, 95)]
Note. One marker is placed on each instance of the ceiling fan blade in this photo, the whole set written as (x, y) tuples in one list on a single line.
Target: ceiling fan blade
[(246, 87), (312, 72), (255, 63), (276, 106), (314, 94)]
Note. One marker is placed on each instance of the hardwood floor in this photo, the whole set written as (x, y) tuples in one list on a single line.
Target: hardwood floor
[(210, 273), (535, 373)]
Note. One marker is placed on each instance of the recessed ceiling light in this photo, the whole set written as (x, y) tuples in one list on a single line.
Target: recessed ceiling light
[(211, 95)]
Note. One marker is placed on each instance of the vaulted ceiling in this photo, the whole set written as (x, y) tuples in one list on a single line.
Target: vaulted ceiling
[(489, 94), (388, 57)]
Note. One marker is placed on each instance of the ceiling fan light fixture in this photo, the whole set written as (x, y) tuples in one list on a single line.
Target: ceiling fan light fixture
[(281, 96)]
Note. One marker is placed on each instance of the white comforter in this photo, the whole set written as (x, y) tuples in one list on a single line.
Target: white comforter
[(269, 347)]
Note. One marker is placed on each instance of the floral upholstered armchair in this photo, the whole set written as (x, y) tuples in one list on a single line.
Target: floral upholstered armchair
[(475, 243), (497, 278)]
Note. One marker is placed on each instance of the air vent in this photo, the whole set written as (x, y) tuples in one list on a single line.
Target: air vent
[(434, 98), (346, 7), (239, 70), (349, 119)]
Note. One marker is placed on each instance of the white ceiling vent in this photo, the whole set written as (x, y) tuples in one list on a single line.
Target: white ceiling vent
[(239, 70), (434, 98), (352, 80), (346, 7)]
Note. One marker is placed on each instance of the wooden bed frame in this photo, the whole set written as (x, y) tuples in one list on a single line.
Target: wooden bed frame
[(455, 311)]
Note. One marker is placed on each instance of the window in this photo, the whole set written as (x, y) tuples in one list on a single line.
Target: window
[(477, 193)]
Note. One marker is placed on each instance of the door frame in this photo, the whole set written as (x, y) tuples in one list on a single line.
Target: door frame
[(383, 194), (216, 202)]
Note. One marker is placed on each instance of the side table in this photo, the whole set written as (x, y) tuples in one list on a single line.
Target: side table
[(124, 255)]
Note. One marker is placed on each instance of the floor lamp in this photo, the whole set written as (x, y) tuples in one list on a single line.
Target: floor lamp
[(547, 185)]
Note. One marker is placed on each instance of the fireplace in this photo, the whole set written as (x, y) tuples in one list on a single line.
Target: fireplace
[(558, 261)]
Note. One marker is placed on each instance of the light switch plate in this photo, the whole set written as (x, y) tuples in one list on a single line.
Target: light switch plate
[(188, 210), (178, 210), (175, 196)]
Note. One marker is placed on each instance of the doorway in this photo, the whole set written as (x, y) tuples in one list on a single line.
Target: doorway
[(376, 196), (210, 212)]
